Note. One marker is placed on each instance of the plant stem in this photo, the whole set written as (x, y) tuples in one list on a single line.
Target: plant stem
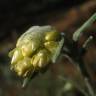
[(87, 24), (86, 43), (75, 84), (89, 87)]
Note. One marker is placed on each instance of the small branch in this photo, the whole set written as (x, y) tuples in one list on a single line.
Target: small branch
[(87, 84), (87, 24), (76, 85), (90, 89), (85, 45)]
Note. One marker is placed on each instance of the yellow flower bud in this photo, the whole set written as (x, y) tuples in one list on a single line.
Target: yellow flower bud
[(41, 59), (51, 46), (29, 48), (23, 67), (17, 55), (52, 35)]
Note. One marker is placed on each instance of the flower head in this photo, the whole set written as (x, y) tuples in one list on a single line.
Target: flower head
[(35, 49)]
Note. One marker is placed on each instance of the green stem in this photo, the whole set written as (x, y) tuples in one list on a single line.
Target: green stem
[(75, 85), (89, 87), (87, 42), (87, 24), (28, 79)]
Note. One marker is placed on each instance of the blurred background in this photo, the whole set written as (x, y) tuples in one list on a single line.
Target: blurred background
[(16, 16)]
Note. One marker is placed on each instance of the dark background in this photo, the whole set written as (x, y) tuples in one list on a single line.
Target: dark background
[(16, 16)]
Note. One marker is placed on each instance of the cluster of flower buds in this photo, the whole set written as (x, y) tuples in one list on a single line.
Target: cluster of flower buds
[(35, 49)]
